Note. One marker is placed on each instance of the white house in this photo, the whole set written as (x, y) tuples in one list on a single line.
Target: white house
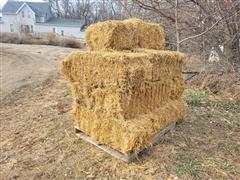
[(36, 18)]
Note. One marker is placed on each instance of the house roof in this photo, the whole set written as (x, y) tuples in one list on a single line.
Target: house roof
[(40, 8), (64, 22), (11, 7)]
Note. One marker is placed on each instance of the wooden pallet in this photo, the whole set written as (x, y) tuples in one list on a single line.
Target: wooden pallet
[(125, 157)]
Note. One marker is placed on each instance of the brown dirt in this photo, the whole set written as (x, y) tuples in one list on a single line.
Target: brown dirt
[(38, 140), (26, 64)]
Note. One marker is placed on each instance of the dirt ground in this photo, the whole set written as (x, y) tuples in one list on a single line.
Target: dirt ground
[(38, 140), (22, 65)]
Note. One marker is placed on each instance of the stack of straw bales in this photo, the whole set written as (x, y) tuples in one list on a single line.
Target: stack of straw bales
[(126, 89)]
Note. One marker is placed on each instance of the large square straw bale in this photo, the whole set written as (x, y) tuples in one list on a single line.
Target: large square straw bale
[(124, 35), (122, 99), (128, 135)]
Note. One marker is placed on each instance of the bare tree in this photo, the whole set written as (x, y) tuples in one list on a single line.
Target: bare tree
[(190, 25), (55, 6), (197, 24)]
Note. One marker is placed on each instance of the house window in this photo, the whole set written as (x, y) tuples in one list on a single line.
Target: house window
[(29, 14), (62, 33), (11, 28), (54, 30), (31, 28), (23, 14), (22, 28), (27, 29), (42, 19)]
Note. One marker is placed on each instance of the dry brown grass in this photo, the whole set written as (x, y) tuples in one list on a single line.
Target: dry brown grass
[(48, 39), (71, 42), (225, 84), (218, 78), (51, 38)]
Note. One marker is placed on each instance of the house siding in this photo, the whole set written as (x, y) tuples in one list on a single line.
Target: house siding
[(7, 20), (68, 30), (17, 20), (30, 19), (26, 21)]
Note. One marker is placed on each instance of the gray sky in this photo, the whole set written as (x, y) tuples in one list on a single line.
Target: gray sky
[(2, 2)]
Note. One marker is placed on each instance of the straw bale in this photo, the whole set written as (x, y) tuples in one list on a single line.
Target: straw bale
[(133, 93), (139, 79), (128, 135), (124, 35), (148, 35)]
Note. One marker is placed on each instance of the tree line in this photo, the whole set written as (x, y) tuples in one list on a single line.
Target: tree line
[(190, 25)]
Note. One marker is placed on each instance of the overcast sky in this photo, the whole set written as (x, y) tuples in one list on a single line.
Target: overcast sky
[(2, 2)]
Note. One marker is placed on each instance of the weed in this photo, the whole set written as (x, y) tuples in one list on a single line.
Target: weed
[(48, 39), (71, 42), (202, 99), (220, 165), (188, 165), (230, 148), (195, 98), (227, 167), (238, 115), (207, 115)]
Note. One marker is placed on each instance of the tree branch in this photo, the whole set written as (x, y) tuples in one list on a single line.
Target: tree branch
[(206, 31)]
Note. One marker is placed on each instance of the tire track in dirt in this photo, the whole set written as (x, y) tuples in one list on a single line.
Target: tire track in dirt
[(26, 64)]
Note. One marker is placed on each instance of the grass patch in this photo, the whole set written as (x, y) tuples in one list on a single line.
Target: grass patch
[(187, 165), (238, 115), (195, 98), (229, 148), (224, 166), (201, 98), (227, 167)]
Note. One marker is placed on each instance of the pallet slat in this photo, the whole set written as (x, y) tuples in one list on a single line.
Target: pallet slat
[(124, 157)]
